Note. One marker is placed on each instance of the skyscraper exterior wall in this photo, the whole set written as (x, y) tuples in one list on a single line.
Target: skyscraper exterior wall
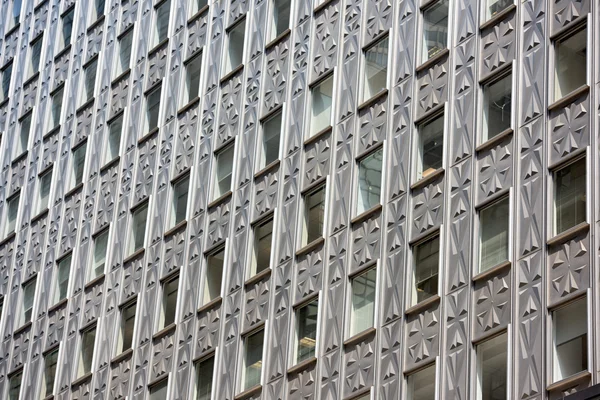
[(298, 199)]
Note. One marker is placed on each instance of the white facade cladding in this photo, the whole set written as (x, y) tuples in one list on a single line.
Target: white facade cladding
[(298, 199)]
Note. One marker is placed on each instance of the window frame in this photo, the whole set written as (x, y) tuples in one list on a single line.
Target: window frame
[(118, 69), (494, 78), (417, 173), (221, 248), (553, 169), (47, 172), (350, 330), (303, 239), (74, 151), (197, 363), (271, 25), (478, 361), (485, 16), (309, 134), (359, 160), (12, 24), (83, 96), (93, 17), (56, 284), (408, 377), (241, 372), (412, 297), (161, 320), (294, 344), (561, 37), (22, 318), (5, 68), (226, 68), (387, 35), (62, 44), (54, 349), (427, 6), (13, 197), (31, 71), (264, 220), (120, 345), (506, 195), (156, 88), (92, 263), (196, 10), (156, 41), (17, 151), (144, 204), (118, 117), (176, 183), (14, 375), (185, 97), (216, 191), (157, 384), (261, 162), (54, 95)]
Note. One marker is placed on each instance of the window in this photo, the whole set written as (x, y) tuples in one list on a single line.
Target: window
[(44, 190), (364, 287), (67, 28), (570, 340), (86, 355), (138, 228), (57, 100), (79, 163), (271, 137), (263, 237), (113, 144), (431, 147), (435, 29), (14, 385), (570, 63), (97, 10), (497, 104), (180, 199), (280, 18), (127, 326), (89, 75), (11, 214), (36, 53), (50, 364), (235, 47), (253, 352), (306, 331), (492, 360), (23, 140), (100, 248), (494, 7), (163, 12), (28, 297), (375, 68), (152, 109), (196, 6), (421, 384), (16, 14), (204, 378), (169, 302), (192, 79), (426, 259), (62, 279), (569, 196), (369, 181), (124, 57), (214, 275), (494, 223), (314, 215), (159, 391), (321, 105), (6, 76), (224, 159)]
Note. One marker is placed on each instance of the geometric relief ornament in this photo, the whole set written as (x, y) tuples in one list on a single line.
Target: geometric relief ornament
[(495, 170), (422, 340), (498, 46), (326, 38), (366, 241), (569, 268), (359, 360), (432, 87), (492, 303), (570, 129), (566, 11), (302, 384), (428, 206)]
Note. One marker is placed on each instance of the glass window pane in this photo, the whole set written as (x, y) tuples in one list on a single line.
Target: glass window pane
[(6, 76), (224, 171), (57, 100), (125, 44), (271, 139), (153, 107), (426, 270), (570, 195), (494, 222), (100, 247), (435, 29), (322, 96), (214, 275), (180, 198), (253, 359), (431, 146), (90, 80), (159, 391), (67, 27), (570, 340), (87, 351), (496, 6), (281, 17), (421, 384), (369, 181), (263, 236), (79, 164), (22, 142), (97, 10), (28, 297), (204, 378), (571, 64), (127, 326), (492, 358), (376, 61), (138, 229), (44, 194), (50, 361), (36, 52), (162, 21), (196, 6), (497, 98), (62, 279), (235, 50), (314, 211), (114, 139), (13, 210), (306, 323), (16, 12), (170, 301), (363, 301), (14, 387), (192, 82)]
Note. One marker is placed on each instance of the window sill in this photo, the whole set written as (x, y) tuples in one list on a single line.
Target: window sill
[(498, 17), (253, 391), (110, 164), (62, 52), (366, 214), (302, 366), (176, 229), (310, 247), (231, 73), (280, 38), (156, 48), (139, 253), (198, 14), (220, 200), (120, 77), (191, 104), (493, 271), (10, 236), (99, 21), (39, 216), (19, 158), (31, 79), (51, 132), (372, 100), (4, 102), (569, 234), (322, 6), (266, 170), (73, 191), (264, 274), (494, 141), (12, 30), (121, 357), (49, 397), (147, 136), (22, 328), (318, 136), (80, 381), (569, 381), (359, 337), (422, 306), (89, 102), (432, 61), (428, 179), (569, 98), (96, 281), (164, 332), (57, 306), (359, 394), (211, 304)]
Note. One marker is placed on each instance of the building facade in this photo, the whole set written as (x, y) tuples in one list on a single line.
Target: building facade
[(294, 199)]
